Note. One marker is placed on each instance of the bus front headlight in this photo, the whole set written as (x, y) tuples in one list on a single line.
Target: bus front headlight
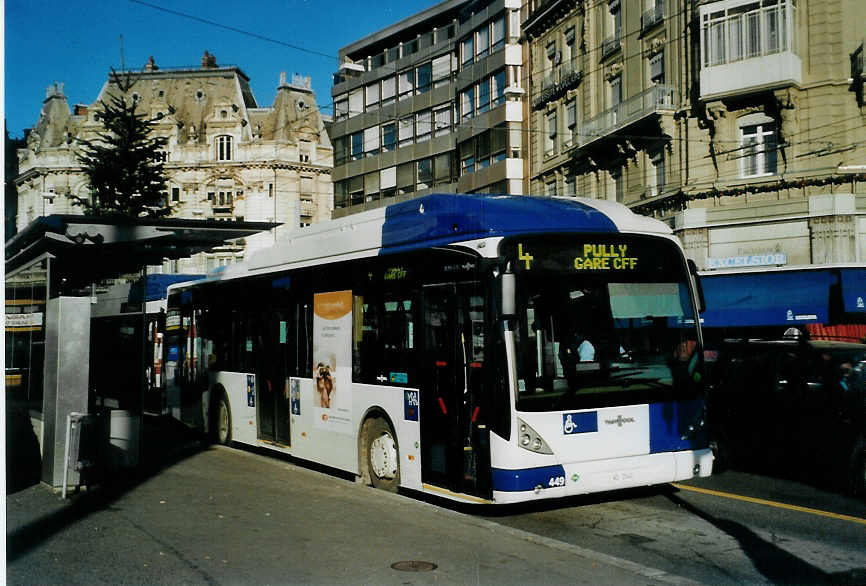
[(529, 439)]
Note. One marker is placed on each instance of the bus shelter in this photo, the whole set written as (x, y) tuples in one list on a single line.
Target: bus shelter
[(51, 268)]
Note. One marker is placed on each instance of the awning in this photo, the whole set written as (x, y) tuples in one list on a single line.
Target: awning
[(767, 299), (88, 249), (854, 290)]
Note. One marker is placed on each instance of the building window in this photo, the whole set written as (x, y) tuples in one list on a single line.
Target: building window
[(442, 168), (371, 141), (550, 135), (405, 131), (616, 16), (571, 121), (497, 34), (747, 29), (484, 95), (441, 70), (389, 137), (372, 96), (619, 186), (389, 90), (405, 178), (616, 91), (357, 146), (425, 173), (568, 46), (467, 103), (482, 42), (759, 142), (305, 151), (550, 188), (356, 102), (657, 182), (482, 150), (388, 181), (371, 186), (424, 75), (442, 120), (306, 187), (423, 125), (224, 148), (175, 194), (406, 83), (341, 108), (467, 51), (498, 142), (657, 68), (467, 157), (497, 88)]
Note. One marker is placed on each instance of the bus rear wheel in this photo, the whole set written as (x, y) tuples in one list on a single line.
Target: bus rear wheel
[(223, 421), (381, 455)]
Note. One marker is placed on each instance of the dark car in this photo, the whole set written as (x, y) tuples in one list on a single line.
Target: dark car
[(793, 408)]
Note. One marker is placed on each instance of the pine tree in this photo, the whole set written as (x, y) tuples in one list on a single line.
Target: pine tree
[(124, 162)]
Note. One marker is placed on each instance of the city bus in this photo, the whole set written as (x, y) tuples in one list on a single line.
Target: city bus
[(486, 349)]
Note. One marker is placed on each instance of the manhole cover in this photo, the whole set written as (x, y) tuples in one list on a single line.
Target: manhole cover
[(414, 566)]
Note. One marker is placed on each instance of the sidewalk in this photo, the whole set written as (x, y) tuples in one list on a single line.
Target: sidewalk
[(224, 516)]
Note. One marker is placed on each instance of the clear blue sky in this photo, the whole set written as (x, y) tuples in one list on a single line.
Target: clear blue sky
[(77, 43)]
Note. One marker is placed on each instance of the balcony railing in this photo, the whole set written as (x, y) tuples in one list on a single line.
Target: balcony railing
[(610, 45), (652, 17), (655, 99), (553, 86)]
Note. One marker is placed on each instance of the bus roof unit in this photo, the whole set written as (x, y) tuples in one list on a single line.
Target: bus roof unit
[(440, 219)]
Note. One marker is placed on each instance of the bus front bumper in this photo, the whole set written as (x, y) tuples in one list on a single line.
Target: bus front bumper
[(511, 486)]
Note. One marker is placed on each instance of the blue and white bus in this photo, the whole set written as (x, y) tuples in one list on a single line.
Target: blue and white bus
[(491, 349)]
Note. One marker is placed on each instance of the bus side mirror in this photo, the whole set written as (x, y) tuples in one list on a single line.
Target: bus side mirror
[(508, 287), (693, 269)]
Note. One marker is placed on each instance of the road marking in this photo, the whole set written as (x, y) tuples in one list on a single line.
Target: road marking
[(778, 505)]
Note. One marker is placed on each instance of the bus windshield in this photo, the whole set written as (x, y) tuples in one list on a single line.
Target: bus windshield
[(602, 321)]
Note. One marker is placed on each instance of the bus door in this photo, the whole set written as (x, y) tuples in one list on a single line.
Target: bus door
[(455, 448), (272, 405)]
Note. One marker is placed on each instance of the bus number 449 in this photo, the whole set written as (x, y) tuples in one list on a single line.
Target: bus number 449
[(556, 481)]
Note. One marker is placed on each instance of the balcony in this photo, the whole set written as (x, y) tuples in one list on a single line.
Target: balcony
[(654, 100), (652, 17), (551, 89), (610, 46), (765, 71), (746, 48)]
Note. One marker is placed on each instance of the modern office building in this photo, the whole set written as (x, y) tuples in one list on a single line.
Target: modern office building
[(227, 158), (431, 103)]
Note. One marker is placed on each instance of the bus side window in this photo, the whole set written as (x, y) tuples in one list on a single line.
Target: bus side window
[(367, 343)]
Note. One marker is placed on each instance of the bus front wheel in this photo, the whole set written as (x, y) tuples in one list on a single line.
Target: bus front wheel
[(223, 421), (381, 455)]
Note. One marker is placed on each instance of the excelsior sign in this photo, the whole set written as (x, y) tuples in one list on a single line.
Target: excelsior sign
[(751, 260)]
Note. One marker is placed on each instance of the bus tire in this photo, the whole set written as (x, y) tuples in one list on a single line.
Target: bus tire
[(222, 420), (381, 455)]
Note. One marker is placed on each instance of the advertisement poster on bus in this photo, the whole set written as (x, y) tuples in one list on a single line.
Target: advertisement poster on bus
[(332, 360)]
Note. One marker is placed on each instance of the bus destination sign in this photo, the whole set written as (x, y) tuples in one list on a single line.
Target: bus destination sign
[(604, 257)]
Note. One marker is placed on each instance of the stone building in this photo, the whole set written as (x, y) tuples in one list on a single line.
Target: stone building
[(739, 122), (431, 103), (227, 158)]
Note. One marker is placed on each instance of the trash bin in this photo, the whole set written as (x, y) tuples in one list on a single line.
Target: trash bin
[(123, 439)]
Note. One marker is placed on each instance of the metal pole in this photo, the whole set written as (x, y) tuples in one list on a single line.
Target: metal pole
[(143, 363), (66, 455)]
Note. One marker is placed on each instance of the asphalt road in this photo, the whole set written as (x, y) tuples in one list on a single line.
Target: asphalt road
[(228, 516), (739, 529)]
